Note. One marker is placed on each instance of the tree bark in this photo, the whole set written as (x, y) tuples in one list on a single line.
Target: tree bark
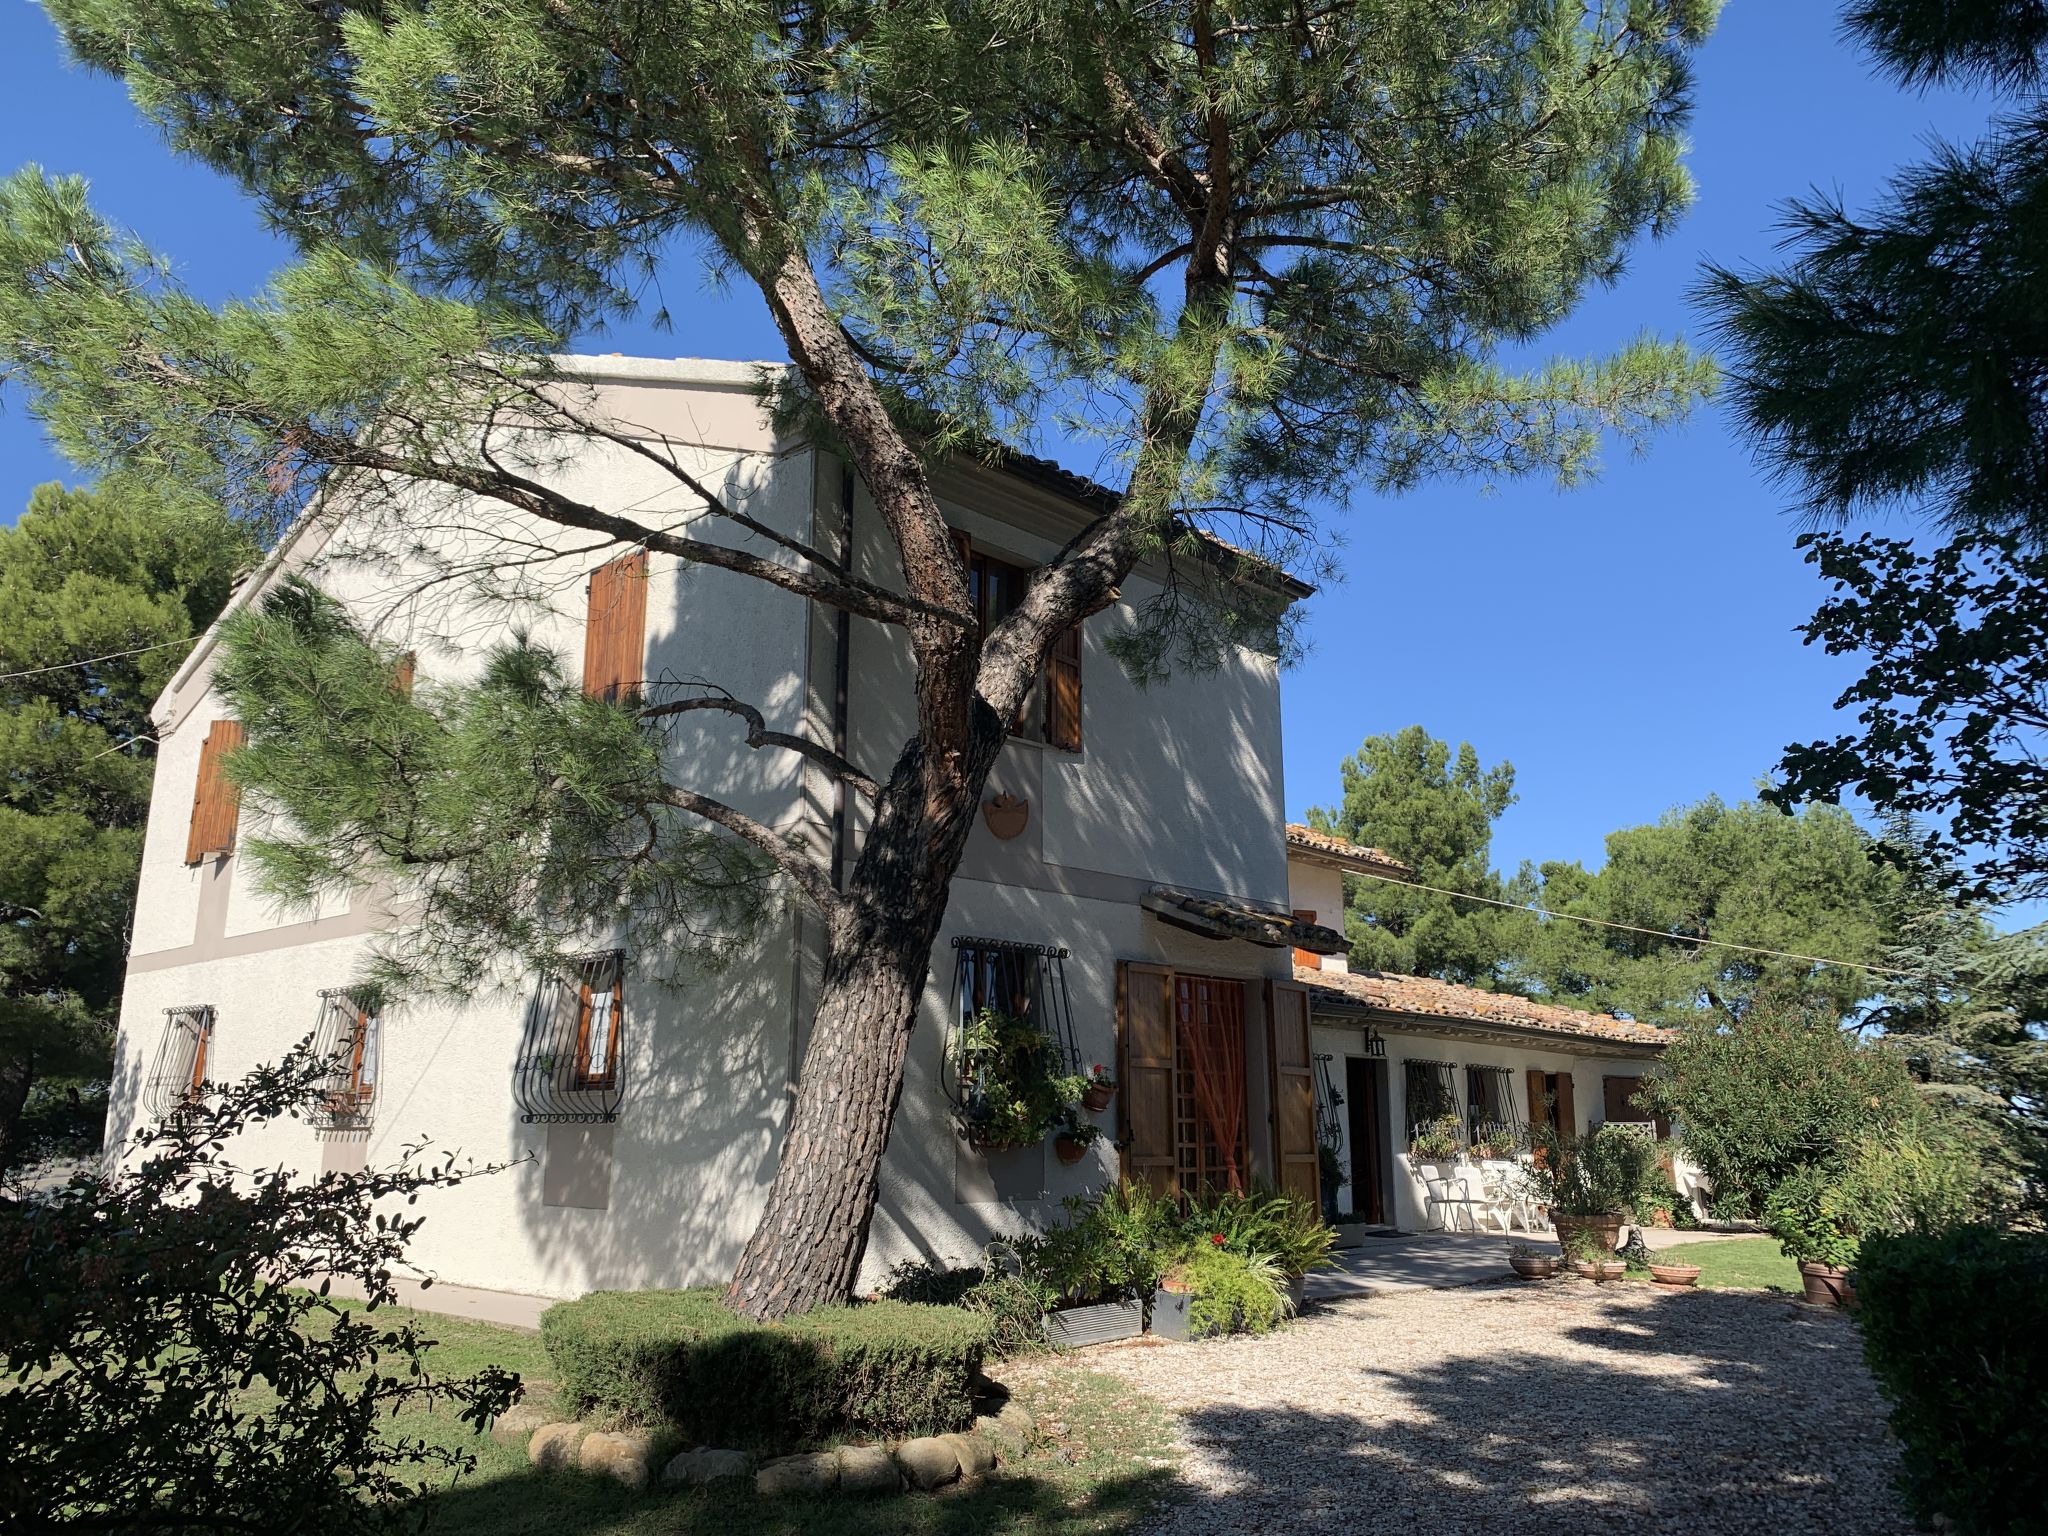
[(15, 1076), (806, 1249)]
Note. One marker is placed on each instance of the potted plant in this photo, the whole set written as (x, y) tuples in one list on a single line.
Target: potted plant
[(1674, 1277), (1012, 1091), (1496, 1143), (1170, 1301), (1812, 1215), (1097, 1265), (1100, 1089), (1591, 1184), (1436, 1141), (1074, 1140), (1531, 1262)]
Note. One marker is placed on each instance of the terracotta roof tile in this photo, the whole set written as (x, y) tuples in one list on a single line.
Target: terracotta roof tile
[(1303, 839), (1424, 997)]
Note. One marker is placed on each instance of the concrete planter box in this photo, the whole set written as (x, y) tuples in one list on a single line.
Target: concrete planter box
[(1073, 1327), (1170, 1314)]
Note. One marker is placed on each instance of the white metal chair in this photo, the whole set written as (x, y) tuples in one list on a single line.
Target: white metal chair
[(1447, 1195)]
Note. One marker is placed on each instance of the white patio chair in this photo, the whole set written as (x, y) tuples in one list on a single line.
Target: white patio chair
[(1447, 1195)]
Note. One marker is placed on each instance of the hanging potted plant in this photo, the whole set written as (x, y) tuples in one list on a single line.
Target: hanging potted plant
[(1012, 1089), (1100, 1089), (1074, 1139)]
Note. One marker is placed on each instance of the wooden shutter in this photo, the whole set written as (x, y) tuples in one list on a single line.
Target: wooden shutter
[(1539, 1090), (1567, 1111), (1291, 1052), (401, 674), (215, 802), (1306, 956), (1144, 1016), (1063, 691), (615, 628), (202, 1037), (586, 1018)]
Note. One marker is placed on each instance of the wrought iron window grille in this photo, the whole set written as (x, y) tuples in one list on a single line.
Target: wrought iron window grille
[(177, 1074), (350, 1039), (1490, 1118), (1027, 982), (1431, 1094), (571, 1067)]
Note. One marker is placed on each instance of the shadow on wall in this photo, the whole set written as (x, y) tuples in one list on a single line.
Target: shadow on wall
[(667, 1194)]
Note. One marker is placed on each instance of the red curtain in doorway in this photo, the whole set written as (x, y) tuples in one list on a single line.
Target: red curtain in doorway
[(1211, 1023)]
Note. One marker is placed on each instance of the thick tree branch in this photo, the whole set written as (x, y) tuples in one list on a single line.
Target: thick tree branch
[(758, 735), (811, 877)]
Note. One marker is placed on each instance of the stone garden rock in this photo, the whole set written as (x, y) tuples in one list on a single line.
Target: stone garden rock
[(553, 1446), (929, 1462), (1008, 1441), (621, 1457), (1017, 1417), (815, 1472), (867, 1469), (975, 1454), (707, 1464), (515, 1426)]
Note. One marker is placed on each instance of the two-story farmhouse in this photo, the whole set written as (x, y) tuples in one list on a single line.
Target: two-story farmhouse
[(1129, 874)]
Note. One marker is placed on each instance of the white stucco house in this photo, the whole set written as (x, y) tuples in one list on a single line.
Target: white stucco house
[(1131, 870)]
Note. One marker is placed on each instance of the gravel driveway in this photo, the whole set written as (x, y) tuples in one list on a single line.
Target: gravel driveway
[(1550, 1407)]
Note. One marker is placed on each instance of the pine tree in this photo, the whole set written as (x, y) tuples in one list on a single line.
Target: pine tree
[(91, 578), (1894, 364), (1266, 254)]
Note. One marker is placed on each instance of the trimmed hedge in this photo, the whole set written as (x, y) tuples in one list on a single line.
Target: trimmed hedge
[(874, 1370), (1955, 1328)]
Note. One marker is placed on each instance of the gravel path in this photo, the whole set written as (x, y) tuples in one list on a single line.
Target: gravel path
[(1561, 1406)]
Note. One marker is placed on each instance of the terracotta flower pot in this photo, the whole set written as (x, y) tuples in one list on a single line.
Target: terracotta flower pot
[(1534, 1267), (1608, 1270), (1069, 1149), (1096, 1096), (1604, 1230), (1677, 1277), (1827, 1286)]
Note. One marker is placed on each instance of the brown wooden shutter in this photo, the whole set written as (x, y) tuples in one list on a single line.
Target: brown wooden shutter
[(1291, 1051), (1063, 691), (401, 674), (1144, 1015), (1306, 956), (1567, 1111), (615, 628), (1539, 1090), (216, 805)]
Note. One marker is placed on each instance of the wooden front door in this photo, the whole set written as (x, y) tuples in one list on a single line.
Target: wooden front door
[(1368, 1130)]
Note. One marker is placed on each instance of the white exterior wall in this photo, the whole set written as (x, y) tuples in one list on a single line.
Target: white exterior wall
[(1178, 786), (1407, 1208), (1318, 888)]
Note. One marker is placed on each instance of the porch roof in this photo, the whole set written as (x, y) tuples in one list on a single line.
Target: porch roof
[(1422, 1003), (1304, 842), (1215, 918)]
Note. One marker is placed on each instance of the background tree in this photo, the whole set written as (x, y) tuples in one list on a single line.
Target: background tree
[(1407, 795), (1263, 255), (105, 579), (1894, 363), (1748, 874)]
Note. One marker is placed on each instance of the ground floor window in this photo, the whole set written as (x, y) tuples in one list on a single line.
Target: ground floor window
[(1430, 1096), (350, 1037), (1211, 1135), (178, 1074), (571, 1067), (1492, 1126)]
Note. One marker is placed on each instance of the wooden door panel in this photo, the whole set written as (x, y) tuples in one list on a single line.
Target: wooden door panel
[(1292, 1054), (1144, 996)]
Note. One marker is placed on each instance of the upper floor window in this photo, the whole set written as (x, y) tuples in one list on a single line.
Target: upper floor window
[(1052, 710), (615, 628), (350, 1038), (177, 1076), (216, 803)]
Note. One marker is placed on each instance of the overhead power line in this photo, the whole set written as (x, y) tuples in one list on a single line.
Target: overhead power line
[(1655, 933), (93, 661)]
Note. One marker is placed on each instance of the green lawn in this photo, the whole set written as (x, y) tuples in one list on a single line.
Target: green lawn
[(1739, 1264), (1100, 1464)]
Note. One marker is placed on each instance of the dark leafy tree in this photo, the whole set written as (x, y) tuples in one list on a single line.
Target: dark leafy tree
[(175, 1361), (1897, 363), (1407, 794), (106, 580), (1264, 254)]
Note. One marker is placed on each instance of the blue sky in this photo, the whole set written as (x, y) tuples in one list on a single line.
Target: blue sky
[(1629, 646)]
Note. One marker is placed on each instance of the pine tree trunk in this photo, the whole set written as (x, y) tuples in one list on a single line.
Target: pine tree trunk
[(806, 1250), (15, 1077)]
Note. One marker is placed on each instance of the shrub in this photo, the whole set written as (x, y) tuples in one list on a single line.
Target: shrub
[(1012, 1305), (872, 1370), (1111, 1247), (1920, 1175), (1755, 1102), (1232, 1292), (1955, 1328), (1613, 1171), (1265, 1223), (138, 1309), (1812, 1215)]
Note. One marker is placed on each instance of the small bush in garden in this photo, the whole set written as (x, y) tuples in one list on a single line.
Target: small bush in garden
[(1955, 1328), (172, 1359), (1232, 1292), (1013, 1306), (873, 1370), (1265, 1223), (1612, 1170), (1111, 1247)]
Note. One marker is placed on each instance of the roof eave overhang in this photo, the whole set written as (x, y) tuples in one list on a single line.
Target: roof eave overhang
[(1327, 1007)]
